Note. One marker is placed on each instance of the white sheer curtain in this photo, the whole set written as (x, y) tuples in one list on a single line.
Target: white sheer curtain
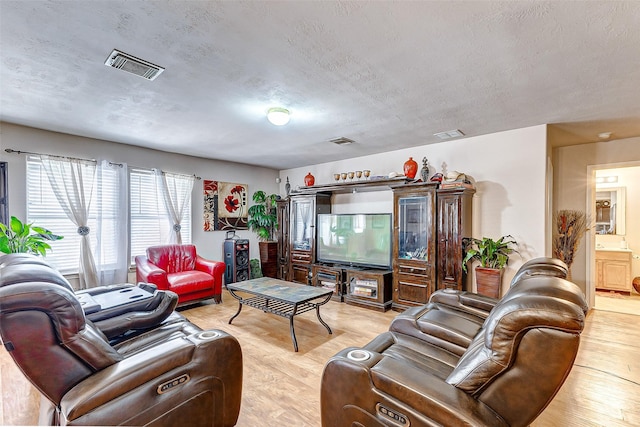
[(112, 207), (72, 181), (175, 191)]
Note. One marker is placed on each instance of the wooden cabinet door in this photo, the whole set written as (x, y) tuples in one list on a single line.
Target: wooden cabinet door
[(300, 274), (449, 241), (302, 228), (282, 207), (615, 275), (414, 248), (454, 224), (613, 270)]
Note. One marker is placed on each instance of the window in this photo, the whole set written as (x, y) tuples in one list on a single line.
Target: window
[(150, 222), (44, 210)]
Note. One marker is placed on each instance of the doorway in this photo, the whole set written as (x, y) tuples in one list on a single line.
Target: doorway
[(614, 248)]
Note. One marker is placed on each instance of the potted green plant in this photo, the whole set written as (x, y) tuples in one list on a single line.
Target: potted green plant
[(493, 256), (19, 237), (263, 221)]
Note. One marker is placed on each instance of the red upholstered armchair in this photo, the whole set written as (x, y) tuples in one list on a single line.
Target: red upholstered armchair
[(180, 269)]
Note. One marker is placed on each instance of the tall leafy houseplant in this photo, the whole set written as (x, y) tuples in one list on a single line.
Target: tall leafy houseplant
[(493, 256), (19, 237), (263, 221)]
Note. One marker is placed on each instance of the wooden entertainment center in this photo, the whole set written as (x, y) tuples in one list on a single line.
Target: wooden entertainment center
[(429, 224)]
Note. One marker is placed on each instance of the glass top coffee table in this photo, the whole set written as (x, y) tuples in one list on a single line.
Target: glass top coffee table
[(285, 299)]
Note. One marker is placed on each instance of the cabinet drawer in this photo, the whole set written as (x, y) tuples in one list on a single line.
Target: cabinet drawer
[(408, 289), (449, 284), (623, 256), (422, 269), (300, 274), (301, 257)]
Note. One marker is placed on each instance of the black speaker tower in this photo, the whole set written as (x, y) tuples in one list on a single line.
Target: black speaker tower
[(236, 259)]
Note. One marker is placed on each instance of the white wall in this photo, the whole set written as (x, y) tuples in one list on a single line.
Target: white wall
[(571, 183), (510, 172), (209, 243), (508, 167)]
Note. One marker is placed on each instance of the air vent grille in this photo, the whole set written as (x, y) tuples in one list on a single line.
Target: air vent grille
[(342, 141), (133, 65), (449, 134)]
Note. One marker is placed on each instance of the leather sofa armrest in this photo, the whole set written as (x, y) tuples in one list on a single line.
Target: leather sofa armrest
[(431, 395), (146, 271), (425, 398), (142, 375), (124, 376), (116, 322), (214, 268), (476, 304)]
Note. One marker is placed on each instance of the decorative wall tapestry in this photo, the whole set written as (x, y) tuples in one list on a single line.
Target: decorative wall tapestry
[(225, 205)]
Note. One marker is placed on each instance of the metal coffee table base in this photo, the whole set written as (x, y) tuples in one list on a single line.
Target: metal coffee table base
[(282, 308)]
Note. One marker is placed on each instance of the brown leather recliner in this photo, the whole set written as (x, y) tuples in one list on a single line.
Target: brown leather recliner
[(507, 374), (178, 268), (480, 305), (173, 374), (119, 311), (452, 318)]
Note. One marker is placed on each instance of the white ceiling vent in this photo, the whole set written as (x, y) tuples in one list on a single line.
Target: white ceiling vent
[(342, 141), (449, 134), (131, 64)]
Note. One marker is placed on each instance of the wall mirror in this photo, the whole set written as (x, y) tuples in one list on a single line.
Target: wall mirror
[(610, 210)]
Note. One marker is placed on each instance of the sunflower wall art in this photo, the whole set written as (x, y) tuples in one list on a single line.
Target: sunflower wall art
[(225, 205)]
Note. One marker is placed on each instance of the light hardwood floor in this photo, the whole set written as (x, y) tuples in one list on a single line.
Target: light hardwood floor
[(282, 388)]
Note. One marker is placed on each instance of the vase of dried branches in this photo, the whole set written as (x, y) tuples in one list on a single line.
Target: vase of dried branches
[(570, 226)]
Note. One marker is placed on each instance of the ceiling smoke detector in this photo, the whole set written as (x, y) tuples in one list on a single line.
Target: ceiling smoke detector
[(449, 134), (342, 141), (133, 65)]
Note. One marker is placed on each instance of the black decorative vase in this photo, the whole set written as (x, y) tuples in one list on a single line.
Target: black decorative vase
[(424, 171)]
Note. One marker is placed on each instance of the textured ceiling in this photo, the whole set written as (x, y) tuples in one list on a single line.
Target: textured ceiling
[(386, 74)]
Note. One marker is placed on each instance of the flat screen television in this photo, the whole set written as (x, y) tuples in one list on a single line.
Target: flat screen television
[(358, 240)]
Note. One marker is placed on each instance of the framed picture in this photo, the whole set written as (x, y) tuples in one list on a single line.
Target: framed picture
[(225, 205)]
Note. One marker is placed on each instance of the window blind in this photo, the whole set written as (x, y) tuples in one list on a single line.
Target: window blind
[(150, 222)]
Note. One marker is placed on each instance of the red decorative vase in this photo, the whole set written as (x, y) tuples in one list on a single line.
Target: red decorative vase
[(410, 168), (309, 180)]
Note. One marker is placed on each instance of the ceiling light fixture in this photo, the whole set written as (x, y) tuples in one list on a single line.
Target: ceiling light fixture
[(278, 116), (611, 179)]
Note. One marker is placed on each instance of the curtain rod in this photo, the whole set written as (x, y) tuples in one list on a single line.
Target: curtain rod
[(173, 173), (10, 150)]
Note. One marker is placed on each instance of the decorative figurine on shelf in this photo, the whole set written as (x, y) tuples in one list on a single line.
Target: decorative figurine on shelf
[(410, 168), (424, 172), (309, 180), (287, 187)]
